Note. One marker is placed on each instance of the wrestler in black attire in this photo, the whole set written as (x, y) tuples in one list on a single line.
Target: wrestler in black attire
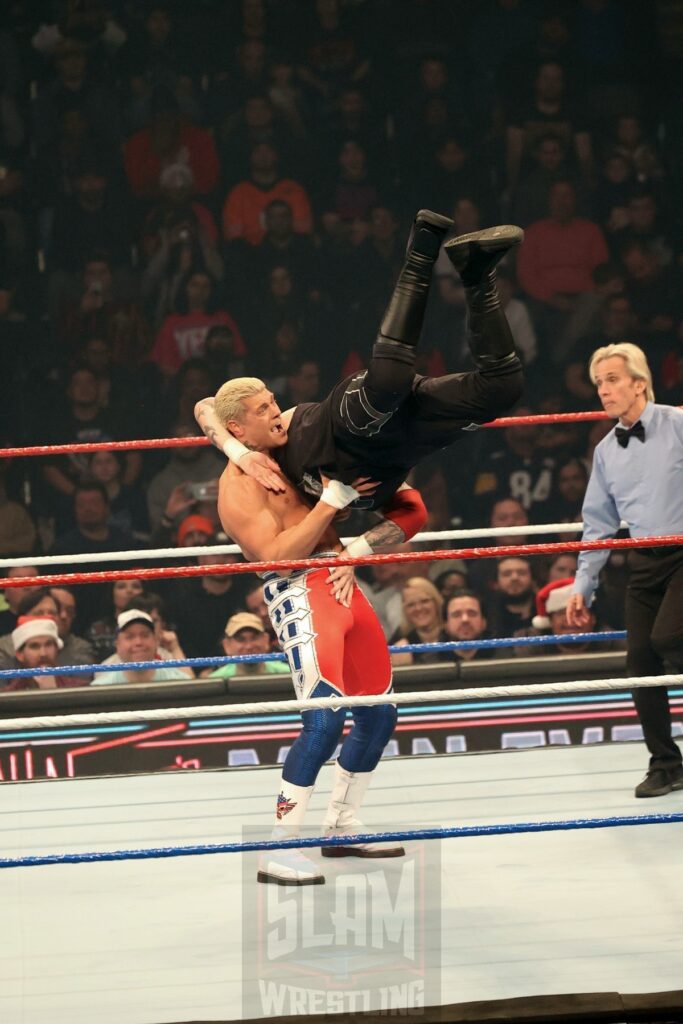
[(383, 421)]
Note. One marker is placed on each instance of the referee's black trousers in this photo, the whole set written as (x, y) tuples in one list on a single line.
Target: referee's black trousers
[(654, 619)]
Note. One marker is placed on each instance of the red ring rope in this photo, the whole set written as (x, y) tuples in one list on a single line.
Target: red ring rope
[(170, 572), (188, 442), (104, 446)]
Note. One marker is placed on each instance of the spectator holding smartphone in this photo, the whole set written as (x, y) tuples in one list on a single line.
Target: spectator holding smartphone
[(168, 498)]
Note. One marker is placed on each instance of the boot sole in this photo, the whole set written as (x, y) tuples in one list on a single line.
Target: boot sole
[(490, 239), (349, 851), (264, 876), (436, 220)]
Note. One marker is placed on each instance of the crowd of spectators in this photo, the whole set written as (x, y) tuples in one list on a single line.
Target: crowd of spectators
[(190, 192)]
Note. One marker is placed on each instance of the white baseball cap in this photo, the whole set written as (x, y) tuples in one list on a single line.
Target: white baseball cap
[(133, 615)]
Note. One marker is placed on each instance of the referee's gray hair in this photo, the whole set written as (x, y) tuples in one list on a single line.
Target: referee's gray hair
[(635, 361), (229, 397)]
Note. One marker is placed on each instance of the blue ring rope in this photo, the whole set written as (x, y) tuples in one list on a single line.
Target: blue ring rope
[(449, 645), (458, 832)]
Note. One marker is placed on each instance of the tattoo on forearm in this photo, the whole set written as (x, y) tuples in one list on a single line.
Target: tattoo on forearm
[(385, 532), (200, 416), (209, 429), (212, 435)]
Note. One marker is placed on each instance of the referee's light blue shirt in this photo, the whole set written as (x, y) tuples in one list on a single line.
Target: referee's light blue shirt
[(641, 484)]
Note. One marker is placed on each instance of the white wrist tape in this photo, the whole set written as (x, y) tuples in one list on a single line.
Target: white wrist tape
[(358, 547), (339, 495), (234, 449)]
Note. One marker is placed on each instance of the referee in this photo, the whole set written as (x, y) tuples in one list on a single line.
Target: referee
[(637, 476)]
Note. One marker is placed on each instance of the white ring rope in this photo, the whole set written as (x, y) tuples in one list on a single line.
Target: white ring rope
[(232, 549), (268, 707)]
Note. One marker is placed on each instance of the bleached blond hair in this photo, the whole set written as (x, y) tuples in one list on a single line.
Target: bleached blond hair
[(635, 361), (425, 588), (229, 397)]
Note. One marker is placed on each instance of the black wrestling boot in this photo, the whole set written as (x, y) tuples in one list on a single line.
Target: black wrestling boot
[(426, 235), (401, 324), (475, 256)]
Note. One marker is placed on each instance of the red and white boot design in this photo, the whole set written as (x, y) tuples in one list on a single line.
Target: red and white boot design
[(347, 795)]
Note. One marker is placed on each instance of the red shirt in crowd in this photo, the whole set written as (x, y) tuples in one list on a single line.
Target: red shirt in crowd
[(144, 166), (560, 258), (182, 336), (245, 205)]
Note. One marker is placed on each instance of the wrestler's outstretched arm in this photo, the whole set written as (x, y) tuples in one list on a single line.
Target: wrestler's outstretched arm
[(401, 518), (255, 464)]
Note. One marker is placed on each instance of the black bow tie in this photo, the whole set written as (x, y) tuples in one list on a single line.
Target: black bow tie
[(624, 436)]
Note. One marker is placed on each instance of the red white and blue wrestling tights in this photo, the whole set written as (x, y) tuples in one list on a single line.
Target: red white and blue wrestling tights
[(332, 650)]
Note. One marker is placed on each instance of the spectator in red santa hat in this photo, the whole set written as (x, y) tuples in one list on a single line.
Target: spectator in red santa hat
[(551, 616), (36, 643)]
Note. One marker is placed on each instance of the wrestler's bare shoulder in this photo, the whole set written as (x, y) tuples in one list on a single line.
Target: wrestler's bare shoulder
[(235, 489), (242, 493)]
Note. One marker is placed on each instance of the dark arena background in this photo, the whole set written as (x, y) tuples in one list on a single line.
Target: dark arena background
[(191, 193)]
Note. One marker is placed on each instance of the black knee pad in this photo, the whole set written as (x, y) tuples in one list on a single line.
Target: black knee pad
[(358, 415), (396, 351)]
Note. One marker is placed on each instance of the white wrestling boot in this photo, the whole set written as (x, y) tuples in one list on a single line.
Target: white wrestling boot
[(289, 867), (347, 795)]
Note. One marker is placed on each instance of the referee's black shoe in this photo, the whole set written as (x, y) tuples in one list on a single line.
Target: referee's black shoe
[(660, 781)]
